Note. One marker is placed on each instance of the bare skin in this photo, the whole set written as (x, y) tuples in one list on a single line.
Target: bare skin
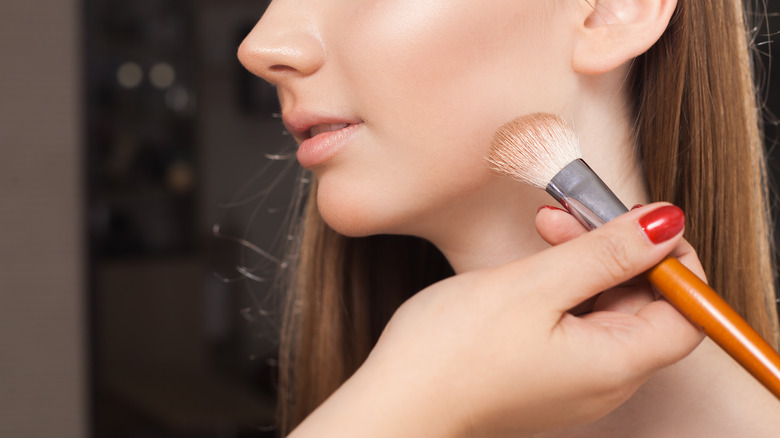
[(424, 85), (707, 394), (493, 352)]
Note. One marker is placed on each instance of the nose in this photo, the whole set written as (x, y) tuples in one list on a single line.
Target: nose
[(284, 44)]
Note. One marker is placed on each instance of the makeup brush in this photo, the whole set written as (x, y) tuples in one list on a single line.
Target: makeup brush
[(542, 150)]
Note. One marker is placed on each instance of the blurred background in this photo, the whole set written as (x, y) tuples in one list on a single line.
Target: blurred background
[(144, 183), (138, 162)]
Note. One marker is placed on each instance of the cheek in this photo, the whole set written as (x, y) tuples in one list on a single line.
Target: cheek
[(441, 76), (440, 59), (433, 80)]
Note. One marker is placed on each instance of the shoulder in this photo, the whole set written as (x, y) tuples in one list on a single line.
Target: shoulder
[(706, 394)]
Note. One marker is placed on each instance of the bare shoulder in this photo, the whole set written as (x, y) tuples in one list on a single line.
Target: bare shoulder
[(708, 394), (705, 395)]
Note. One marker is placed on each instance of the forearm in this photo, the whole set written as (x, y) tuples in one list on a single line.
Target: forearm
[(379, 403)]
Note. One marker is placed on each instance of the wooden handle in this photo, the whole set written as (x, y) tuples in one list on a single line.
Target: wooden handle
[(707, 310)]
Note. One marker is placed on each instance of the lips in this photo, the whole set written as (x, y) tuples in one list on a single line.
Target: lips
[(320, 137), (304, 124), (326, 127)]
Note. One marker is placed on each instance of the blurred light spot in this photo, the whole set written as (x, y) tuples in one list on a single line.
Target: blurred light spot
[(129, 75), (162, 75), (180, 177), (178, 98)]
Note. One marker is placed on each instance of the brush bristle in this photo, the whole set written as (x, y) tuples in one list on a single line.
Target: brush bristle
[(533, 148)]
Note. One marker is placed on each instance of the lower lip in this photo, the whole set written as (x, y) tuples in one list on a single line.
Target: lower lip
[(322, 147)]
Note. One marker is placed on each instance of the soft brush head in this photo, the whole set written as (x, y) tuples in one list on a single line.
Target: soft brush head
[(533, 148)]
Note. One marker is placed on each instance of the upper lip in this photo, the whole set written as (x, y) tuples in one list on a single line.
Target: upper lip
[(300, 122)]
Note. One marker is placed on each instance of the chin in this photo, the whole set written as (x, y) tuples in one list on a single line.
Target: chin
[(350, 218), (348, 226), (354, 217)]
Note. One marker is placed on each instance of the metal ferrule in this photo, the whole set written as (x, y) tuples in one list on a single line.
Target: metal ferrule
[(585, 195)]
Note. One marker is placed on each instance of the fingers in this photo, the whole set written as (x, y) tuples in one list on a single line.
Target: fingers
[(610, 255), (656, 337), (556, 226), (670, 337), (685, 253), (625, 299)]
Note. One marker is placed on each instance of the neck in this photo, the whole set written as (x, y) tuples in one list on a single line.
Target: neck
[(493, 228), (507, 232), (497, 225)]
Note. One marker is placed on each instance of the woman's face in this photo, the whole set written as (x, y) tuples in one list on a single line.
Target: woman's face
[(409, 93)]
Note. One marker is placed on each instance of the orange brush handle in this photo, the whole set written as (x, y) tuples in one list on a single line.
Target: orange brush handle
[(707, 310)]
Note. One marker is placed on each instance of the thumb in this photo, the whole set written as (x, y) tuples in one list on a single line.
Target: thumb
[(618, 251)]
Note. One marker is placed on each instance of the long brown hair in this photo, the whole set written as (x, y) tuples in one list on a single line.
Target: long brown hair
[(698, 130)]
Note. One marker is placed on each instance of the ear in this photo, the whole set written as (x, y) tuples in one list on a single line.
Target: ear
[(612, 32)]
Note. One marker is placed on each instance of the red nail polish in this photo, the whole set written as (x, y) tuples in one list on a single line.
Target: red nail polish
[(637, 206), (549, 207), (662, 223)]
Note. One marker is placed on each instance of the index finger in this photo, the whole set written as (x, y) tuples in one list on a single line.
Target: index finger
[(616, 252)]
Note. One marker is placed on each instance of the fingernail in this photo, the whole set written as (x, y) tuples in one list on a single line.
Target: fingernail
[(662, 223), (637, 206), (549, 207)]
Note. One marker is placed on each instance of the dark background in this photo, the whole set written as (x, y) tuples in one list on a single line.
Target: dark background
[(183, 344), (183, 328)]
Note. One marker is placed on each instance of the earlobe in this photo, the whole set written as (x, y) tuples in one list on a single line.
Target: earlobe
[(614, 31)]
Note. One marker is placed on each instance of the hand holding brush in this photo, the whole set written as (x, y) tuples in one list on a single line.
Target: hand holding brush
[(541, 150), (496, 352)]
